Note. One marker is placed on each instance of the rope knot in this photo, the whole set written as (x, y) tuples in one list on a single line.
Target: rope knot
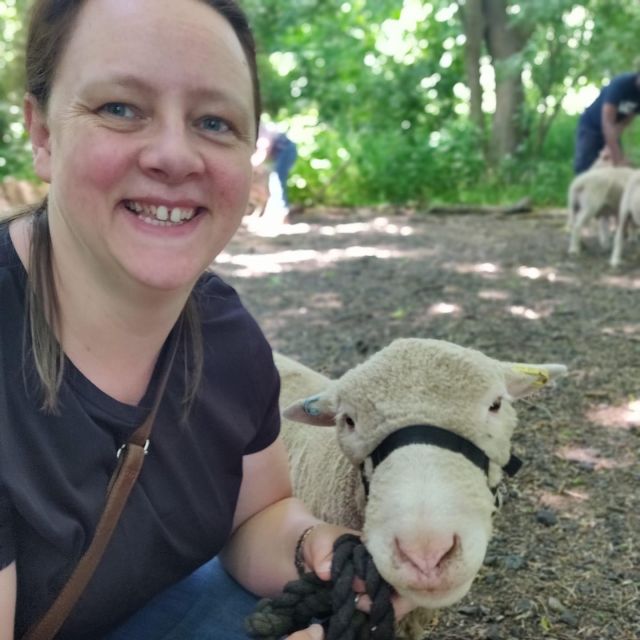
[(331, 602)]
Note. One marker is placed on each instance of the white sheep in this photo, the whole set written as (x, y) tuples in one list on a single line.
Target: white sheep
[(629, 212), (427, 518), (596, 193)]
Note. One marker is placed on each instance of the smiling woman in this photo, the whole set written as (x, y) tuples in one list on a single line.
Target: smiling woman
[(143, 117)]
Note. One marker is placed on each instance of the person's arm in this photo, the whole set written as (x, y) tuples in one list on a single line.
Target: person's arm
[(263, 149), (267, 525), (7, 601), (612, 131)]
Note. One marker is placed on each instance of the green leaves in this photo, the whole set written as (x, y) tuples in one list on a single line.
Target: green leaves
[(377, 96)]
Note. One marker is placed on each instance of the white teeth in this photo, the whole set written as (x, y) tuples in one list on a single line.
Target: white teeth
[(161, 213), (134, 206)]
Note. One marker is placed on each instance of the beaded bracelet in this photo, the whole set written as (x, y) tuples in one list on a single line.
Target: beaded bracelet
[(298, 558)]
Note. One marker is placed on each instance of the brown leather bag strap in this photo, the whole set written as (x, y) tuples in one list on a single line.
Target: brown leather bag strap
[(130, 459)]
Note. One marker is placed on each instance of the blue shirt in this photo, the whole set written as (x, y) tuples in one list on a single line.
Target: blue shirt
[(623, 92)]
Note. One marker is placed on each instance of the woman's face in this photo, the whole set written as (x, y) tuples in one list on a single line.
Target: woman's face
[(146, 141)]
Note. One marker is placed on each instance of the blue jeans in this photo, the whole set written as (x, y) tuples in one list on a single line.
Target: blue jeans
[(207, 605), (589, 144), (283, 160)]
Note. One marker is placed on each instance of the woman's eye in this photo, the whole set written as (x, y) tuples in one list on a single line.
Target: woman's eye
[(495, 407), (118, 109), (217, 125)]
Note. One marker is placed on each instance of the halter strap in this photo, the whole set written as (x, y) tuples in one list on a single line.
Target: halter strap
[(438, 437)]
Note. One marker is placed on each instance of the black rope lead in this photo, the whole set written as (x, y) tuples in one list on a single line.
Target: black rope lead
[(330, 602)]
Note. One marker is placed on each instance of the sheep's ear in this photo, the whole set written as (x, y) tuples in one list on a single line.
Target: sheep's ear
[(523, 379), (315, 410)]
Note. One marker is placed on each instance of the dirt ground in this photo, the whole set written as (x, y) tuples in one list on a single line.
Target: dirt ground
[(564, 561)]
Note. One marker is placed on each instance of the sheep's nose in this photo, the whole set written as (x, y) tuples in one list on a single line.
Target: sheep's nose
[(429, 554)]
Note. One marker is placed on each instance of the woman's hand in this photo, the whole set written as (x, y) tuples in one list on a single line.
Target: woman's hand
[(314, 632), (318, 553), (318, 548), (401, 606)]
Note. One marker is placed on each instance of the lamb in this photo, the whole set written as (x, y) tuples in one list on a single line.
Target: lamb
[(595, 193), (427, 518), (628, 212)]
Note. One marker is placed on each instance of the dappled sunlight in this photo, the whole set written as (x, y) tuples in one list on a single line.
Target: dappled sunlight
[(530, 272), (593, 459), (254, 264), (568, 501), (542, 309), (261, 226), (535, 273), (265, 228), (251, 264), (624, 330), (493, 294), (483, 268), (544, 273), (524, 312), (621, 282), (377, 224), (444, 308), (622, 416)]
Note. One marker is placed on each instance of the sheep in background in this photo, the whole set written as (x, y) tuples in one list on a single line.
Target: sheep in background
[(596, 193), (427, 518), (629, 212)]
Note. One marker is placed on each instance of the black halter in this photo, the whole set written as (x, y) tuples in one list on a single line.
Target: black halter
[(439, 437)]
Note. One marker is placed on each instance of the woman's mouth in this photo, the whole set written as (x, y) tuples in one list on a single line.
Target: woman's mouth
[(160, 214)]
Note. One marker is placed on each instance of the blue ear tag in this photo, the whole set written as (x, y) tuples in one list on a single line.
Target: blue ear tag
[(308, 407)]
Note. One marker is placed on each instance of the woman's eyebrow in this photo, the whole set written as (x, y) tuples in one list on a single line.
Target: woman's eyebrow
[(214, 94), (126, 81)]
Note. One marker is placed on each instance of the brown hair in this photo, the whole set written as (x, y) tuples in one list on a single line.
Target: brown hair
[(50, 28)]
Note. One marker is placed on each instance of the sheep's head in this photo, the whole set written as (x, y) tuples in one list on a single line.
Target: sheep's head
[(428, 515)]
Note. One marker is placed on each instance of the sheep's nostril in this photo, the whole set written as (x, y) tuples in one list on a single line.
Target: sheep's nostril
[(428, 555)]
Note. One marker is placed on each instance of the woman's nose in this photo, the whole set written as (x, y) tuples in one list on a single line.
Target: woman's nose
[(171, 154)]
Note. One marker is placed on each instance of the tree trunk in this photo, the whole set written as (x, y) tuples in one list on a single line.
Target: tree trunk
[(474, 26), (503, 42)]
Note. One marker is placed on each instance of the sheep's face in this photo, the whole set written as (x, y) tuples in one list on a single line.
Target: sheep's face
[(420, 382), (428, 516), (427, 522)]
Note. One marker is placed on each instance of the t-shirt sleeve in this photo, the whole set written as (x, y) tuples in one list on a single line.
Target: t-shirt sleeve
[(614, 93), (270, 418), (7, 538)]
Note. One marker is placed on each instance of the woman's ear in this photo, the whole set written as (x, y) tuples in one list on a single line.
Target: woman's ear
[(36, 124)]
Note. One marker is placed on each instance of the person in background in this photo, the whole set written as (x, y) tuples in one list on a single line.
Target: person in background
[(276, 149), (602, 123), (143, 117)]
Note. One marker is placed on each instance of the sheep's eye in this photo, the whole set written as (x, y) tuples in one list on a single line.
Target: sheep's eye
[(350, 422), (495, 407)]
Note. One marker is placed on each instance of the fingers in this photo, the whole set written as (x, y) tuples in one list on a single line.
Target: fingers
[(401, 606), (314, 632), (318, 548), (363, 602)]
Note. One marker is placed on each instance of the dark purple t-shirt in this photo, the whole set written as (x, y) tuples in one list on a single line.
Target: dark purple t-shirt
[(623, 92), (54, 470)]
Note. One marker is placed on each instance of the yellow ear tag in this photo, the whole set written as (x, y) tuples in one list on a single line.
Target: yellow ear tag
[(541, 375)]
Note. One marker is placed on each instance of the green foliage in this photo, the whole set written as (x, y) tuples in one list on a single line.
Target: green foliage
[(374, 94), (15, 158)]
